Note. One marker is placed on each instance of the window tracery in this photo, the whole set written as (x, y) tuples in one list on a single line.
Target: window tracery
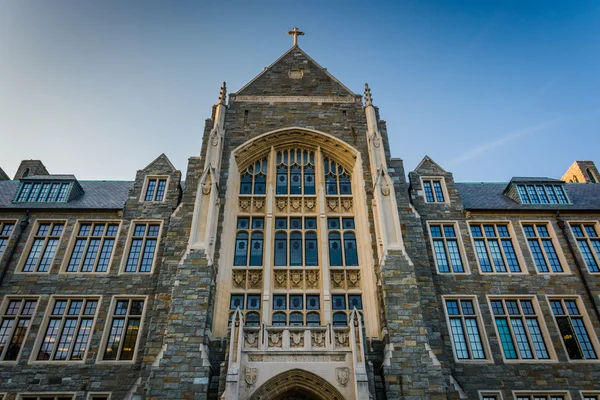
[(254, 178)]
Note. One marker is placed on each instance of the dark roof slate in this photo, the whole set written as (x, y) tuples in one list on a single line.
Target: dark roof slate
[(97, 195), (490, 196)]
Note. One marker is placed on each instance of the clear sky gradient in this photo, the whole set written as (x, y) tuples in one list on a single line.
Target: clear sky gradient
[(489, 90)]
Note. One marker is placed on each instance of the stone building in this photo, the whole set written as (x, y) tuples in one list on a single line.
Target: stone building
[(298, 261)]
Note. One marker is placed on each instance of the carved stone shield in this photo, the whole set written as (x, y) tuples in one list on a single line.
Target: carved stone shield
[(251, 376), (280, 278), (353, 277), (244, 204), (238, 277), (296, 277), (259, 203), (310, 203), (342, 374), (281, 204), (332, 204), (347, 203), (337, 278), (295, 204)]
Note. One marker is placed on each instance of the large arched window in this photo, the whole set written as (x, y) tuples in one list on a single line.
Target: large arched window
[(295, 172), (337, 180), (254, 179), (279, 319), (340, 319)]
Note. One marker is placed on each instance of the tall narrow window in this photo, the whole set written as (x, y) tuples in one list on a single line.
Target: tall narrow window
[(311, 248), (494, 248), (445, 248), (541, 396), (254, 179), (256, 249), (335, 249), (590, 175), (68, 331), (123, 329), (6, 230), (280, 249), (16, 318), (296, 249), (542, 249), (43, 247), (142, 249), (434, 192), (465, 329), (337, 180), (295, 172), (519, 329), (93, 247), (350, 256), (155, 189), (571, 322), (589, 244)]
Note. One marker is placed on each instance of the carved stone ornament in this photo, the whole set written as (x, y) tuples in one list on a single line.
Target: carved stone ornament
[(341, 339), (297, 339), (255, 278), (296, 202), (239, 276), (244, 204), (309, 203), (337, 277), (206, 186), (343, 375), (251, 339), (275, 339), (259, 204), (215, 138), (332, 204), (318, 339), (296, 74), (376, 141), (354, 277), (312, 277), (280, 278), (251, 376), (296, 277), (347, 204), (281, 203)]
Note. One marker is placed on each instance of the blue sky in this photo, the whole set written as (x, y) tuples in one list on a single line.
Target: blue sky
[(489, 90)]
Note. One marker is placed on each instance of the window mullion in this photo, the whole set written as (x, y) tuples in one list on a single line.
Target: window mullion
[(123, 334), (75, 333), (141, 257), (59, 333)]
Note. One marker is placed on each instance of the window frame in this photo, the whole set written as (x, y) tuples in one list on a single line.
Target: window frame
[(587, 239), (489, 359), (552, 357), (515, 243), (442, 181), (3, 305), (586, 321), (483, 393), (54, 395), (108, 325), (555, 192), (555, 242), (91, 395), (3, 222), (589, 393), (461, 247), (29, 243), (158, 178), (73, 240), (547, 393), (42, 330), (128, 242)]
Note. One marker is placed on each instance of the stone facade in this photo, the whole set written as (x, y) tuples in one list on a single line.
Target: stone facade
[(193, 344)]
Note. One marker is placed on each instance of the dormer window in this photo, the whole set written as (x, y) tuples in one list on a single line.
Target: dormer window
[(434, 190), (155, 188), (48, 189), (542, 194)]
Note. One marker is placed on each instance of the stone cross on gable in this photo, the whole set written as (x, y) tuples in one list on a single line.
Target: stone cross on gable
[(295, 33)]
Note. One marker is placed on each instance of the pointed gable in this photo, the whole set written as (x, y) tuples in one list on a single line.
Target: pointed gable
[(429, 167), (161, 163), (295, 74)]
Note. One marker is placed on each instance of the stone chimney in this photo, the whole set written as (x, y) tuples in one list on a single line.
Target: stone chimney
[(30, 168), (582, 172)]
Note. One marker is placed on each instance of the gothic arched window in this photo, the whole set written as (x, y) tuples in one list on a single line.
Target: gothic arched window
[(296, 249), (254, 179), (337, 180), (295, 172), (313, 319), (311, 249), (280, 249), (591, 176), (256, 249), (350, 254), (252, 319), (241, 249), (340, 319), (296, 319), (335, 249), (279, 319)]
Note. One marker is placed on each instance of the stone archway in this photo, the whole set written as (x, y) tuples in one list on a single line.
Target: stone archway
[(297, 384)]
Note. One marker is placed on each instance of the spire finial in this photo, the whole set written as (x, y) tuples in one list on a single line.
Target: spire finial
[(368, 97), (223, 93), (295, 33)]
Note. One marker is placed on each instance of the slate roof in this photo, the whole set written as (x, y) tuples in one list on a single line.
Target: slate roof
[(490, 196), (97, 195), (49, 178)]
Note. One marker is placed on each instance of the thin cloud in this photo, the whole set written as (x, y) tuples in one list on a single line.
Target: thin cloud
[(486, 147)]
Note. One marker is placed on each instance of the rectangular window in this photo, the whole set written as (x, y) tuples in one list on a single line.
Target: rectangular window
[(43, 192), (42, 247), (155, 189), (434, 190), (6, 230), (46, 396), (99, 396), (574, 328), (494, 248), (93, 247), (464, 324), (143, 247), (542, 194), (586, 235), (249, 305), (542, 248), (590, 396), (542, 396), (68, 329), (123, 329), (519, 328), (16, 319), (446, 248), (490, 395)]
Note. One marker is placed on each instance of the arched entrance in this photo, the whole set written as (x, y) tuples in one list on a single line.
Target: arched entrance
[(296, 384)]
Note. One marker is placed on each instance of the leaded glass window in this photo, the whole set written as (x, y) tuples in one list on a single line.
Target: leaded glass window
[(446, 249), (494, 248), (143, 247), (43, 246), (6, 230), (254, 178), (571, 321), (93, 247), (123, 329), (14, 324), (542, 248), (586, 235), (465, 329), (542, 194), (337, 180)]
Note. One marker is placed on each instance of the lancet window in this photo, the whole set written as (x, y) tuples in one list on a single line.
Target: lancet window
[(295, 172), (254, 179), (337, 180), (296, 242)]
